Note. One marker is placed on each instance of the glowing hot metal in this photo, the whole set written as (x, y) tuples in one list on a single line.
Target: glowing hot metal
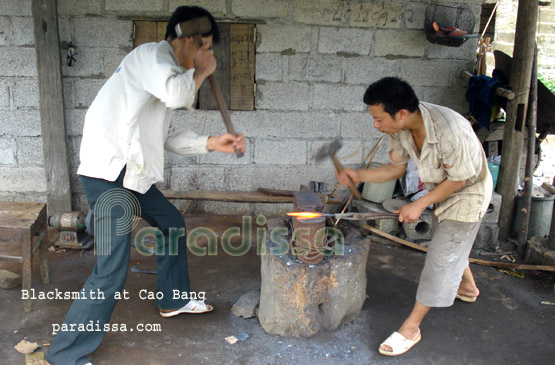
[(347, 216)]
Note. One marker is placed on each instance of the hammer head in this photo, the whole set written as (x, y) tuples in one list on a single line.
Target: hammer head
[(328, 150), (192, 27)]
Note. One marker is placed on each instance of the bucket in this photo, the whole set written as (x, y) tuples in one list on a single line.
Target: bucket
[(494, 171), (541, 210), (378, 192)]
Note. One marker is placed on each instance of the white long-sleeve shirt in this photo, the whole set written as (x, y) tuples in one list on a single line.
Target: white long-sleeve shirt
[(128, 123)]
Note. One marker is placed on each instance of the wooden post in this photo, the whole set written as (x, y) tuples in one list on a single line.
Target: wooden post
[(531, 151), (51, 106), (516, 112)]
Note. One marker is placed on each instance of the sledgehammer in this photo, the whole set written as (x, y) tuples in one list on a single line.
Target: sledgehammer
[(195, 28)]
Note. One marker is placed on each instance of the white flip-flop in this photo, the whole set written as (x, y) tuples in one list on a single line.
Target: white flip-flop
[(398, 343), (193, 307)]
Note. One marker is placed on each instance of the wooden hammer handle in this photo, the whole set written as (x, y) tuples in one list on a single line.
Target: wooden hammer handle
[(220, 101), (339, 167)]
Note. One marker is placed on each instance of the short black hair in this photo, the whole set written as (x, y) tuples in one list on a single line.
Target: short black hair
[(184, 13), (394, 93)]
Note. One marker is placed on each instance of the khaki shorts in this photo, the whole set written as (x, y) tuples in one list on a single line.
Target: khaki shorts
[(446, 260)]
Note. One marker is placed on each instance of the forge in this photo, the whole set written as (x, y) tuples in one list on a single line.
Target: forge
[(320, 282)]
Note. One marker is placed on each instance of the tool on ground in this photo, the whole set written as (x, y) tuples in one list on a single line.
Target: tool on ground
[(72, 230), (329, 151), (374, 151), (346, 216), (195, 28)]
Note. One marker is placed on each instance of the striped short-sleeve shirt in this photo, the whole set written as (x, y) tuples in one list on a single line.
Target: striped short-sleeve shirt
[(450, 141)]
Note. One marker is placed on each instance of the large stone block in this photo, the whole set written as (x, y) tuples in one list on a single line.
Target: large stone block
[(321, 12), (29, 151), (408, 43), (99, 32), (279, 38), (26, 92), (247, 304), (15, 8), (345, 40), (20, 123), (260, 8), (308, 67), (9, 280), (135, 6), (22, 31), (22, 179), (282, 96), (18, 61), (216, 7), (301, 300), (79, 7), (366, 70), (7, 150), (421, 229), (269, 67), (338, 97), (376, 14), (286, 124), (280, 151)]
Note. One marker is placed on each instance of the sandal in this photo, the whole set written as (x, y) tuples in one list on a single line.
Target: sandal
[(193, 307), (398, 343), (465, 298)]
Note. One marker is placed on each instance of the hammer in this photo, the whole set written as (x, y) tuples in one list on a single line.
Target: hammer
[(195, 28), (330, 150)]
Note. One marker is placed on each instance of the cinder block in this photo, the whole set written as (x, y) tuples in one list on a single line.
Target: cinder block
[(22, 31), (5, 35), (269, 67), (219, 158), (64, 29), (80, 7), (73, 148), (321, 12), (75, 120), (216, 7), (99, 32), (85, 90), (90, 62), (351, 152), (408, 43), (280, 151), (308, 67), (20, 123), (5, 89), (260, 8), (18, 61), (451, 97), (494, 204), (338, 97), (420, 230), (224, 208), (112, 59), (347, 40), (465, 52), (366, 70), (7, 150), (270, 210), (29, 151), (487, 236), (415, 15), (135, 6), (175, 160), (282, 96), (358, 125), (15, 8), (198, 178), (286, 124), (279, 38), (22, 179), (426, 72), (26, 92), (375, 14)]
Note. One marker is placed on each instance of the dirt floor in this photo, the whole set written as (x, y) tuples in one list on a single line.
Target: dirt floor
[(508, 323)]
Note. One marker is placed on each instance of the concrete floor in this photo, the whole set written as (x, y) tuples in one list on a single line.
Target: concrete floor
[(506, 325)]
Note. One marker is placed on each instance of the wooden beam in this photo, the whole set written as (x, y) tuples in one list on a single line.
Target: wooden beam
[(513, 136), (499, 91), (52, 115), (237, 197), (505, 265)]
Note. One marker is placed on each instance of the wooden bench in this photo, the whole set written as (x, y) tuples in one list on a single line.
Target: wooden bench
[(24, 224)]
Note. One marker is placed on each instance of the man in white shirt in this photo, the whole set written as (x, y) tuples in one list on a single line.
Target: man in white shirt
[(127, 128)]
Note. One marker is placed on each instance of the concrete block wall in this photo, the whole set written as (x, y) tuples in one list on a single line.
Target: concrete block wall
[(314, 62)]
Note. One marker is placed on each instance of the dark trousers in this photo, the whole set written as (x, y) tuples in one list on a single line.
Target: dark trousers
[(110, 272)]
